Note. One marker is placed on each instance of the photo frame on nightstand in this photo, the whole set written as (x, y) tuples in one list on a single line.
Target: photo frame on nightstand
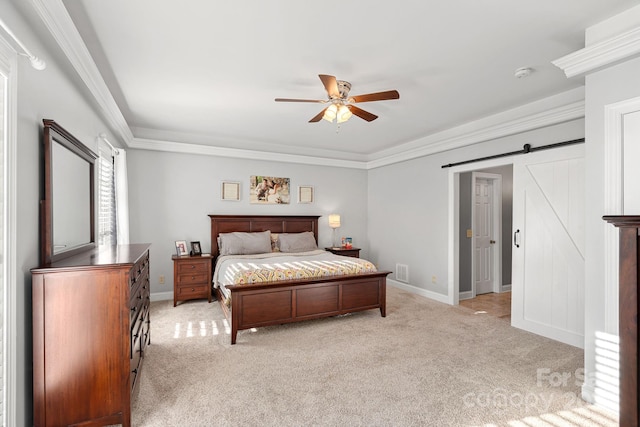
[(305, 194), (195, 249), (181, 248), (230, 191)]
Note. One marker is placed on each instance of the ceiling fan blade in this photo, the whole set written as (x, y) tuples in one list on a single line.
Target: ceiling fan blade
[(318, 117), (331, 85), (378, 96), (362, 114), (299, 100)]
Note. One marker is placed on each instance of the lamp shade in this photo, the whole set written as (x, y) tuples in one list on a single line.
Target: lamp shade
[(334, 220), (330, 113), (343, 114)]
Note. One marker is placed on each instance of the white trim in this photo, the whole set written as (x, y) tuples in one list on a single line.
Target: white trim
[(419, 291), (454, 207), (553, 110), (506, 288), (613, 203), (10, 399), (161, 296), (600, 54), (180, 147), (465, 295), (485, 129), (57, 20)]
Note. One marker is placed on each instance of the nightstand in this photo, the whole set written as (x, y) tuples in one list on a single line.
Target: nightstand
[(191, 277), (352, 252)]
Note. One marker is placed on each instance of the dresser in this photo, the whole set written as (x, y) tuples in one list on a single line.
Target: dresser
[(628, 286), (90, 332), (191, 277)]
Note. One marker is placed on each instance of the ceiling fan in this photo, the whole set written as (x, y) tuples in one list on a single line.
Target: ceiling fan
[(341, 105)]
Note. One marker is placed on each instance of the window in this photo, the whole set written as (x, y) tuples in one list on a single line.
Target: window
[(107, 233)]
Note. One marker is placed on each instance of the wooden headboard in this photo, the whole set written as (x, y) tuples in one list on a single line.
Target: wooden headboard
[(251, 223)]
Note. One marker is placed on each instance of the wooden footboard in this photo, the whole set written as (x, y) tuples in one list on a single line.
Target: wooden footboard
[(294, 301)]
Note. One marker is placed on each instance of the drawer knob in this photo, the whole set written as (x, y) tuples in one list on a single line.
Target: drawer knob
[(193, 289), (193, 266)]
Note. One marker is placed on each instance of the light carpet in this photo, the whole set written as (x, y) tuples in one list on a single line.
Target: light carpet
[(425, 364)]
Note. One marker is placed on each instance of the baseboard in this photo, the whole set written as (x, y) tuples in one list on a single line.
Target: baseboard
[(506, 288), (419, 291), (161, 296), (465, 295), (590, 395)]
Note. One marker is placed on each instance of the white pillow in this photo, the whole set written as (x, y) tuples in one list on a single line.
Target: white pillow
[(297, 242), (240, 243)]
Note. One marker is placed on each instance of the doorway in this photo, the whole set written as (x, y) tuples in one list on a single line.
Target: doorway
[(484, 218)]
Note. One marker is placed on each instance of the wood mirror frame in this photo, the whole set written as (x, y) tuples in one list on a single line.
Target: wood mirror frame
[(54, 133)]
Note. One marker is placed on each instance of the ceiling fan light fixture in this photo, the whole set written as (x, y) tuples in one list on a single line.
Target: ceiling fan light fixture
[(344, 114), (330, 113)]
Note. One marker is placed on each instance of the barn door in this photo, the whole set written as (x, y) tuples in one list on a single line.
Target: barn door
[(548, 252)]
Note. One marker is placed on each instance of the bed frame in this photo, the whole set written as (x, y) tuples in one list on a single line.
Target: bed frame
[(289, 301)]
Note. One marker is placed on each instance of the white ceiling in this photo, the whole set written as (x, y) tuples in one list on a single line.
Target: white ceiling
[(207, 72)]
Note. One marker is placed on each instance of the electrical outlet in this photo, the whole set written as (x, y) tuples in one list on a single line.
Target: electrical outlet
[(434, 279), (161, 279)]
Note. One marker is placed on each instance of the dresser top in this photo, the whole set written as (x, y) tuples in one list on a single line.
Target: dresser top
[(119, 255)]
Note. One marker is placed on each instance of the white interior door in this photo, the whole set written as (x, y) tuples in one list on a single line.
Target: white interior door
[(483, 236), (548, 253)]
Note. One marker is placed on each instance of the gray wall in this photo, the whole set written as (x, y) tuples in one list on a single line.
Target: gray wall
[(170, 196), (409, 213), (53, 94)]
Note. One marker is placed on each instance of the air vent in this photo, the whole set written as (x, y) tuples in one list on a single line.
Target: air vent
[(402, 273)]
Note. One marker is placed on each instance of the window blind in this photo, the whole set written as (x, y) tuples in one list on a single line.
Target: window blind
[(107, 233)]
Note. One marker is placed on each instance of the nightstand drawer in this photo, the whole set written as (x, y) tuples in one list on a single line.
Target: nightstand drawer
[(186, 279), (192, 291), (189, 267)]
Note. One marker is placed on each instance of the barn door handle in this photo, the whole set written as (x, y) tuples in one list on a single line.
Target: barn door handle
[(515, 238)]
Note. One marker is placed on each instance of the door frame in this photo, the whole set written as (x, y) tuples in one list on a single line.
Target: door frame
[(496, 218), (453, 294)]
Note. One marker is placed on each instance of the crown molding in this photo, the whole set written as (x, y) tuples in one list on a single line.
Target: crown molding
[(521, 119), (59, 23), (186, 148), (485, 132), (600, 54)]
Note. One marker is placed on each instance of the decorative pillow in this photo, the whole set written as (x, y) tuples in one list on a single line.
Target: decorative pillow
[(275, 247), (297, 242), (239, 243)]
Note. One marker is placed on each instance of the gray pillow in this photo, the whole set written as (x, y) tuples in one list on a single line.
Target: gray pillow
[(239, 243), (297, 242)]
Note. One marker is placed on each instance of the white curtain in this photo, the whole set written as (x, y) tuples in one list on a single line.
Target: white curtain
[(122, 197)]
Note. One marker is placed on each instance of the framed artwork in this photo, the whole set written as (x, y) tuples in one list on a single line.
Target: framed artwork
[(230, 191), (305, 194), (195, 248), (269, 190), (181, 248)]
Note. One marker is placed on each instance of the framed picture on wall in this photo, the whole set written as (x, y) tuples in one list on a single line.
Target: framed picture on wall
[(305, 194), (268, 190), (230, 191)]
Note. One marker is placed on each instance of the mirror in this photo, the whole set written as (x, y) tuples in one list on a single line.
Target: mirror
[(67, 223)]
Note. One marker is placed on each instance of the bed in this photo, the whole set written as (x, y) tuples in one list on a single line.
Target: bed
[(292, 299)]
